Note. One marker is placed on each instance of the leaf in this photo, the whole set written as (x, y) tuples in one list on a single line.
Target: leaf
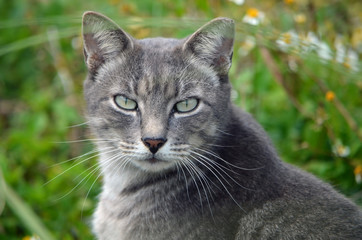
[(23, 211)]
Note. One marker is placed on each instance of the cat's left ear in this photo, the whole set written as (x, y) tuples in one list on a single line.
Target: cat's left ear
[(213, 44), (103, 40)]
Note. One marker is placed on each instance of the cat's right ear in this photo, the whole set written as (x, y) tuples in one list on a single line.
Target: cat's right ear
[(213, 44), (103, 40)]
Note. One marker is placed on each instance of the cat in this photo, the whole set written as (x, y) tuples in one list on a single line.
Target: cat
[(179, 160)]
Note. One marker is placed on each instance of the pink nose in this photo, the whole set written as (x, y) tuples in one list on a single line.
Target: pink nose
[(154, 144)]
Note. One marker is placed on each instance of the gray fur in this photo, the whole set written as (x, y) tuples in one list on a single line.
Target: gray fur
[(217, 176)]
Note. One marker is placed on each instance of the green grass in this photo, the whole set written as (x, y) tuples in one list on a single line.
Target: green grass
[(311, 108)]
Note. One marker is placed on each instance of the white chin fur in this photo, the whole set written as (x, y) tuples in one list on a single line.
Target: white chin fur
[(154, 166)]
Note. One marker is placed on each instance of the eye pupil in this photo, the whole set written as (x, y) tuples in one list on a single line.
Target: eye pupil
[(125, 103), (186, 105)]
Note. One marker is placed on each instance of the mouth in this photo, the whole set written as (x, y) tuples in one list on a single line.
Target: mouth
[(154, 164), (154, 160)]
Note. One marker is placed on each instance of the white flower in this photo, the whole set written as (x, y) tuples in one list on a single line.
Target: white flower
[(254, 17), (247, 45), (340, 50), (324, 52), (358, 178), (292, 64), (234, 95), (352, 60), (76, 42), (348, 58), (340, 150), (238, 2), (31, 238), (287, 40), (311, 42)]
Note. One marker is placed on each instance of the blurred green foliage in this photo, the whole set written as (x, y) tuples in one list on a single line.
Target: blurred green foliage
[(296, 69)]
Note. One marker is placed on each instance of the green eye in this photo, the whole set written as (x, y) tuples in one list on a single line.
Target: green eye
[(186, 105), (125, 103)]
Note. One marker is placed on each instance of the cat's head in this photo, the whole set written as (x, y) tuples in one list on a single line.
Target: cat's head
[(156, 103)]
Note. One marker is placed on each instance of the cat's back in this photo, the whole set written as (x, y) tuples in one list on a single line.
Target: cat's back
[(307, 207)]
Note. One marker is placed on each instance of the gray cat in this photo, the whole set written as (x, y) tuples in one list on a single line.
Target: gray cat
[(179, 160)]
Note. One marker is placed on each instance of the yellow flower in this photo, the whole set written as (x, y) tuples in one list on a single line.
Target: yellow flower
[(358, 170), (287, 38), (252, 12), (358, 174), (253, 16), (127, 8), (330, 96), (113, 2), (287, 41), (30, 238), (288, 1), (300, 18), (356, 39), (347, 65)]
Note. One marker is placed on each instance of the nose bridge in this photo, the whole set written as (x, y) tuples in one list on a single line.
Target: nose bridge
[(154, 119), (154, 128), (154, 125)]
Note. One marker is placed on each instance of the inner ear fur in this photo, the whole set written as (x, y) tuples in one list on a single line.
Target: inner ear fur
[(213, 44)]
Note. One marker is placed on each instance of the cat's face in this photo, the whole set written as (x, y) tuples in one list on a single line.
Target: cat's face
[(156, 103)]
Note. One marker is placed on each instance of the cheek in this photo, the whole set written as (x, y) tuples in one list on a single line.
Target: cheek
[(112, 124), (192, 127), (200, 121)]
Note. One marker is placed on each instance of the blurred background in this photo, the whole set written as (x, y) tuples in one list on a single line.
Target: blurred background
[(296, 68)]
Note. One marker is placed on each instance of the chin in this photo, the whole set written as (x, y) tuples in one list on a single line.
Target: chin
[(155, 165)]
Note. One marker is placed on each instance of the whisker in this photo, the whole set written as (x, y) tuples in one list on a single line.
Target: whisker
[(230, 164), (122, 164), (99, 175), (226, 133), (60, 174), (96, 167), (216, 145), (79, 125), (107, 161), (89, 140), (79, 157), (179, 165), (201, 174), (84, 171), (219, 165), (221, 182), (178, 171), (191, 171), (70, 191), (214, 164)]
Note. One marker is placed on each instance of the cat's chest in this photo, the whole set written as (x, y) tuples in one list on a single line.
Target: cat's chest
[(142, 216), (138, 216)]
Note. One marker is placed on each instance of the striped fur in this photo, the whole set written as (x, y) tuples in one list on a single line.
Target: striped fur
[(217, 175)]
